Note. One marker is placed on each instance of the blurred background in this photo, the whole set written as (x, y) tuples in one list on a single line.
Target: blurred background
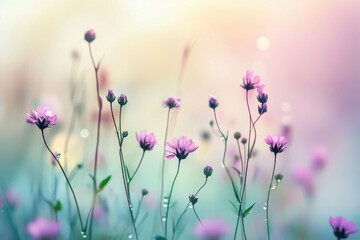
[(307, 54)]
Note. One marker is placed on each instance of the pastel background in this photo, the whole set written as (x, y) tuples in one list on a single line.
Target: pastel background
[(306, 52)]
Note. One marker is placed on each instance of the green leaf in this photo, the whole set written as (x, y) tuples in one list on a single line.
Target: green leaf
[(127, 174), (248, 210), (104, 182), (57, 207)]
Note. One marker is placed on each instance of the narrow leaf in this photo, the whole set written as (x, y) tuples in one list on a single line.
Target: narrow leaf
[(248, 210), (158, 237), (104, 182), (234, 207), (127, 174)]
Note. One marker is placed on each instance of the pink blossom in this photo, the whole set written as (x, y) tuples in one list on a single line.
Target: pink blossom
[(250, 82), (319, 158), (172, 102), (180, 148), (41, 228), (145, 140), (43, 117), (305, 178), (211, 229), (342, 227), (277, 144)]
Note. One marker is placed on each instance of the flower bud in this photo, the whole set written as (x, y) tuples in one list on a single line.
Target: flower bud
[(208, 170), (193, 199), (237, 135), (244, 141), (110, 96), (90, 35), (125, 134), (213, 102), (262, 108), (279, 177), (122, 100), (144, 192), (211, 123)]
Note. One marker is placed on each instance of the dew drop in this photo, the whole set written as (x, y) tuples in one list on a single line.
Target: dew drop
[(274, 186), (58, 156), (166, 199), (265, 206), (190, 206), (130, 236), (165, 205), (83, 234), (163, 219)]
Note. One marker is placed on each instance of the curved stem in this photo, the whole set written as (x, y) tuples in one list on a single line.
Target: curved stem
[(186, 208), (197, 216), (137, 168), (67, 180), (122, 165), (163, 168), (240, 156), (169, 202), (267, 201), (96, 69)]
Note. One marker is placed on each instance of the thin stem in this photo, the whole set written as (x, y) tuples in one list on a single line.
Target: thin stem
[(67, 180), (137, 168), (186, 208), (169, 202), (119, 132), (240, 156), (197, 216), (163, 167), (139, 205), (267, 200), (99, 100), (122, 165), (225, 138)]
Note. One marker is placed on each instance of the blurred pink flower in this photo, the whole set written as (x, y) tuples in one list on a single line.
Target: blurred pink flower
[(172, 102), (342, 227), (305, 178), (180, 148), (41, 228), (250, 82), (145, 140), (277, 144), (211, 229), (42, 117), (318, 158)]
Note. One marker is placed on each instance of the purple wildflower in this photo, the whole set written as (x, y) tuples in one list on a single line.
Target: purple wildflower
[(262, 108), (122, 100), (90, 35), (213, 102), (41, 228), (180, 148), (250, 82), (305, 178), (276, 143), (43, 117), (145, 140), (319, 158), (342, 228), (262, 97), (172, 102), (110, 96), (211, 229)]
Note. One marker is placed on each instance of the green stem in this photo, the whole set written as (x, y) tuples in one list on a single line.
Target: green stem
[(169, 202), (186, 208), (197, 216), (67, 180), (137, 168), (122, 165), (267, 201), (99, 100), (163, 168)]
